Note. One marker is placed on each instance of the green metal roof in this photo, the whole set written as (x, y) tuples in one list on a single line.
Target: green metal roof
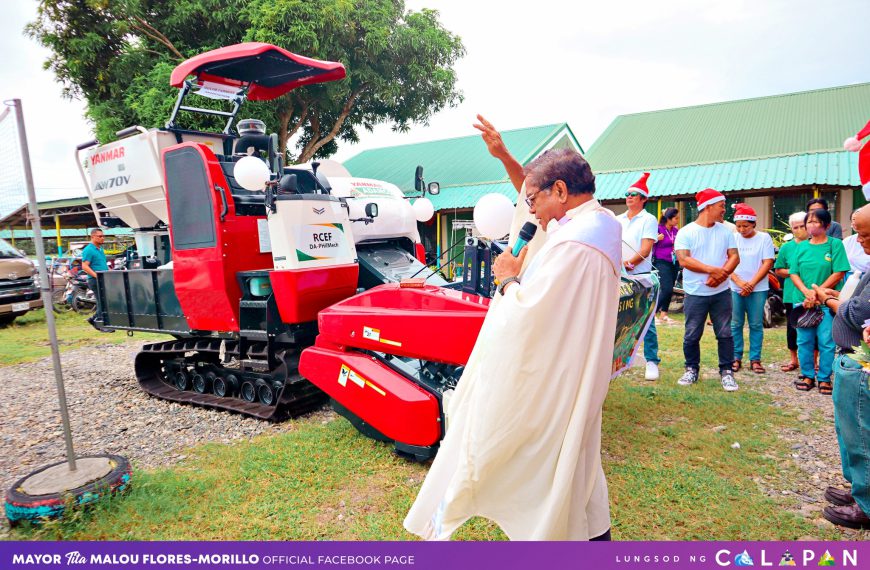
[(766, 127), (63, 203), (460, 161), (830, 168), (457, 197), (50, 233)]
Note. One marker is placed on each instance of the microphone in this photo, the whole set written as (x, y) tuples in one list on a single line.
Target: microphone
[(526, 234)]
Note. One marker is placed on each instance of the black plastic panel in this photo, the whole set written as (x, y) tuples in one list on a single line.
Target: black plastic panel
[(115, 297), (191, 200), (269, 69), (142, 299)]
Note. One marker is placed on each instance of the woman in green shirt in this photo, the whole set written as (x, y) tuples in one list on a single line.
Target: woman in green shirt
[(820, 260), (790, 295)]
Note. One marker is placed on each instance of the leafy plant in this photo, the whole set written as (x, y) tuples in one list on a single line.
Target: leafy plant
[(118, 55)]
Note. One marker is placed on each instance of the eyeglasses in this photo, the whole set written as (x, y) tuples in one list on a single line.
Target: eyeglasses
[(530, 199), (632, 194)]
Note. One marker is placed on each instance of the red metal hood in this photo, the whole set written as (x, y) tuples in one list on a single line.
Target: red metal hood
[(269, 70)]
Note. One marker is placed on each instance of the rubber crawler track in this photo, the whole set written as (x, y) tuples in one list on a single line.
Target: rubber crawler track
[(298, 396)]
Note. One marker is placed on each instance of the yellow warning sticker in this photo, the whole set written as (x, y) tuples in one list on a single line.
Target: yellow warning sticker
[(346, 374), (372, 334), (375, 335)]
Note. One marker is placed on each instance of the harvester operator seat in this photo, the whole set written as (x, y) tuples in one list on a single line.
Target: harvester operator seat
[(254, 141)]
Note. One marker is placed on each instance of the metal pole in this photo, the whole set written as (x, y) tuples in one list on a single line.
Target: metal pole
[(57, 230), (438, 239), (43, 283)]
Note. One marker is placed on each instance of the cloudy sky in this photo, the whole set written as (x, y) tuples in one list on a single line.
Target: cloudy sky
[(533, 63)]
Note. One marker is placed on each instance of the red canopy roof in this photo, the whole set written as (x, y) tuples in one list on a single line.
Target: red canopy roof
[(269, 70)]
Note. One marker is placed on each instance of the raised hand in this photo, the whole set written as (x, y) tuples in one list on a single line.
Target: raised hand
[(494, 144)]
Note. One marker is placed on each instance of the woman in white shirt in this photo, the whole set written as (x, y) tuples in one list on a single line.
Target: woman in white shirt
[(749, 286)]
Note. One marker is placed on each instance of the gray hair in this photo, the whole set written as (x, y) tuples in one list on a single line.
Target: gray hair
[(563, 164), (95, 230), (797, 217)]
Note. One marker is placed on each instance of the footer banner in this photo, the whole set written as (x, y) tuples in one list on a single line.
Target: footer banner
[(429, 555)]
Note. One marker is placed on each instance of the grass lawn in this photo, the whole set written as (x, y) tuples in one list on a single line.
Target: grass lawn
[(671, 477), (26, 339)]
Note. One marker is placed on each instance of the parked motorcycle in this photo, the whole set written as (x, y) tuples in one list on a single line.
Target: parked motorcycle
[(76, 296), (774, 307)]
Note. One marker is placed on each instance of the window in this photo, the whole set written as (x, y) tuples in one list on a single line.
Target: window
[(785, 205), (6, 250)]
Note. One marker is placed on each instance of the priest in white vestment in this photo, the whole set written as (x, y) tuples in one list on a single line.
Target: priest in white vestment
[(523, 442)]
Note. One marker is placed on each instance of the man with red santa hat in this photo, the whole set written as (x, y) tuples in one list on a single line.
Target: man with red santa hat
[(707, 251), (640, 231)]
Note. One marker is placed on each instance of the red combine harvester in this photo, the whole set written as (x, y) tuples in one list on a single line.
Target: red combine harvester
[(283, 286), (282, 292)]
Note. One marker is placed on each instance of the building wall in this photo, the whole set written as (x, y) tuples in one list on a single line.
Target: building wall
[(844, 213)]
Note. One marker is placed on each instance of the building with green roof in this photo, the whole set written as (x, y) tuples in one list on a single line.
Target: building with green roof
[(63, 221), (466, 172), (774, 153)]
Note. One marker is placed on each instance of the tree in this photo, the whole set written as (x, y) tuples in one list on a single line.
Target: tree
[(117, 55)]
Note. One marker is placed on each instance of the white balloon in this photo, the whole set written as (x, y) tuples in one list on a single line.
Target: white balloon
[(493, 215), (252, 173), (423, 209)]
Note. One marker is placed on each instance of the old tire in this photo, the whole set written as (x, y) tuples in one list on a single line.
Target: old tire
[(82, 307), (21, 507)]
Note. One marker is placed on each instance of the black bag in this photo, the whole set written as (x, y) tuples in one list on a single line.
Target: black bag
[(803, 318)]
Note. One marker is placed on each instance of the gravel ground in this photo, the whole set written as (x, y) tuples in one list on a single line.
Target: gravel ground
[(110, 414), (815, 457)]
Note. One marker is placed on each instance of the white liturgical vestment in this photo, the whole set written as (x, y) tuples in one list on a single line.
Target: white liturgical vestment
[(523, 442)]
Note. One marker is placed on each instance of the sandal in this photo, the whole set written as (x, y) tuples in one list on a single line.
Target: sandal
[(789, 367), (736, 365), (826, 387), (804, 384), (757, 367)]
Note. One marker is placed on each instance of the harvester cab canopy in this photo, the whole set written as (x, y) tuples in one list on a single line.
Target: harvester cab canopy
[(251, 70)]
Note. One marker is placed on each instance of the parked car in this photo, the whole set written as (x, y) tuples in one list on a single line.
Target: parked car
[(19, 286)]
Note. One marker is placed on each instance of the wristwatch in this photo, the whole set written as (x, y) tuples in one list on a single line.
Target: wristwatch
[(507, 282)]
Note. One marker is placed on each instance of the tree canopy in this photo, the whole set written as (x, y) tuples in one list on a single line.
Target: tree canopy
[(117, 55)]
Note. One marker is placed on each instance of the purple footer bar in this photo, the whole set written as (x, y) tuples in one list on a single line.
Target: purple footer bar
[(434, 556)]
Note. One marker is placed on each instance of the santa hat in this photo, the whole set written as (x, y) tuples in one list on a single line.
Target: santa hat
[(854, 144), (640, 185), (744, 213), (708, 196)]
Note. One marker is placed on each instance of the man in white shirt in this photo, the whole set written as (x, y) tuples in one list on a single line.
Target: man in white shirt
[(640, 231), (707, 251)]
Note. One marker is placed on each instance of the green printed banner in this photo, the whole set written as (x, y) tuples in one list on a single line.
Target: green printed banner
[(638, 296)]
